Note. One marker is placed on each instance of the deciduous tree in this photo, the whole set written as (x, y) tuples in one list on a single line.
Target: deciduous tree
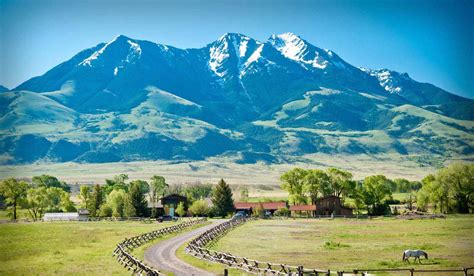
[(199, 208), (157, 187), (13, 191), (49, 181), (293, 182), (315, 183)]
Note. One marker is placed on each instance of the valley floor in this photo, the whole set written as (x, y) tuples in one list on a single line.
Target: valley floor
[(211, 170)]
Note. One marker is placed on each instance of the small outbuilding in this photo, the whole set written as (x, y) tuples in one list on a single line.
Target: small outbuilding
[(77, 216)]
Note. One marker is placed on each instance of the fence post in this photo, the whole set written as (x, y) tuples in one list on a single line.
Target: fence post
[(465, 271), (412, 270), (226, 272)]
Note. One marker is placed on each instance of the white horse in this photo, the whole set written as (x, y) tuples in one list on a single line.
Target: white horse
[(414, 253)]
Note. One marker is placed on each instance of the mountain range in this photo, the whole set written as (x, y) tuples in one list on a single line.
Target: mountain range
[(272, 101)]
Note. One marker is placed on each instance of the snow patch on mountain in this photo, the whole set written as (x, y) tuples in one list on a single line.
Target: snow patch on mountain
[(389, 80), (295, 48), (217, 55)]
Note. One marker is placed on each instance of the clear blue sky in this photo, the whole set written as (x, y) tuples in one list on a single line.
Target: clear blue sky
[(431, 40)]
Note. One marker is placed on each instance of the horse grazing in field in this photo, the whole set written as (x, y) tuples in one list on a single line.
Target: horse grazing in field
[(414, 253)]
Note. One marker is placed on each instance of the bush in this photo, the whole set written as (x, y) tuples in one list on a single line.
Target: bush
[(105, 211), (282, 212), (199, 208), (259, 211), (381, 209)]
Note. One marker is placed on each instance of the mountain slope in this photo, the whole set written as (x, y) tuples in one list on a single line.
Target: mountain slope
[(276, 100)]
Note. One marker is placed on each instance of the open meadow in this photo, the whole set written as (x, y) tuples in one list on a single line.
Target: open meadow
[(213, 169), (346, 244), (67, 248)]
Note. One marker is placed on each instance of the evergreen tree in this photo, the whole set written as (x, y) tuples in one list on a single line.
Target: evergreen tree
[(96, 200), (222, 199), (137, 199)]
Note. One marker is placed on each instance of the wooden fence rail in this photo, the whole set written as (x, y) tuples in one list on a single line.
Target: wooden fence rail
[(138, 267), (197, 248)]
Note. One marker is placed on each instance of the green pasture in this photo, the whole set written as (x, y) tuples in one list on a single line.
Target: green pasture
[(66, 248), (346, 244)]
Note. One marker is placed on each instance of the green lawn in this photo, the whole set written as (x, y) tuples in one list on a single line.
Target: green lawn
[(349, 244), (61, 248), (21, 214)]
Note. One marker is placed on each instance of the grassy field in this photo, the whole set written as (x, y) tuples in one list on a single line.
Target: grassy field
[(349, 244), (212, 169), (205, 265), (65, 248)]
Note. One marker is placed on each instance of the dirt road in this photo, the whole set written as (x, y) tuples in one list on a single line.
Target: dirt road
[(163, 254)]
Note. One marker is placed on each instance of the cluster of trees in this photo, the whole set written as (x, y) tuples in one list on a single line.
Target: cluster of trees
[(117, 198), (371, 194), (221, 197), (312, 184), (45, 193), (451, 189)]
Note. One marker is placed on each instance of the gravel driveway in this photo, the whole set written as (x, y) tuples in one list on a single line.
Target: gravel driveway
[(163, 254)]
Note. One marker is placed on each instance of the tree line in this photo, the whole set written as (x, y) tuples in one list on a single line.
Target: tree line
[(449, 190), (117, 198)]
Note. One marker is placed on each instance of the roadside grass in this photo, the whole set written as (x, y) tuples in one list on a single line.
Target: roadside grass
[(79, 248), (140, 251), (206, 265), (346, 244)]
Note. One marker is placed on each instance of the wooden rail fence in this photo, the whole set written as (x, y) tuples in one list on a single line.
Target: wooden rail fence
[(138, 267), (197, 248)]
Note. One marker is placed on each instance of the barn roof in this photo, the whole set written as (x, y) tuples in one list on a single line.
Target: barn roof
[(303, 208), (266, 205)]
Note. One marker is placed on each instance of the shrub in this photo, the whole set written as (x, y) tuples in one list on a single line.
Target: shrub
[(199, 208), (105, 211), (282, 212)]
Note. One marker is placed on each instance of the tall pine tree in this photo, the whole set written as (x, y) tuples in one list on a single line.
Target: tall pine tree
[(95, 201), (137, 199), (222, 199)]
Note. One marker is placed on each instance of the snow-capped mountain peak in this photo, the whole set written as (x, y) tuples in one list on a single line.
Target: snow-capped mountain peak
[(117, 47), (297, 49), (231, 52)]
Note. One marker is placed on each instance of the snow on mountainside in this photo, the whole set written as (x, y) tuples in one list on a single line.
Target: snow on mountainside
[(278, 99), (295, 48)]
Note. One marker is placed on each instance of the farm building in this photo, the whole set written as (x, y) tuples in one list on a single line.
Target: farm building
[(308, 210), (170, 201), (331, 205), (81, 215), (248, 207)]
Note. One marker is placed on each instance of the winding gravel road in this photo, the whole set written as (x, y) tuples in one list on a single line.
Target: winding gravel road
[(163, 254)]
